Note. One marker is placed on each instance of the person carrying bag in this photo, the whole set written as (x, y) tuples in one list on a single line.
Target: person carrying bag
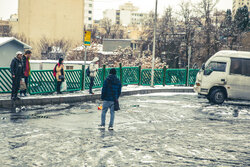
[(111, 92), (60, 75)]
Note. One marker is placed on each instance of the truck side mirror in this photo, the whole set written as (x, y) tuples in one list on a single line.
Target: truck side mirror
[(203, 66)]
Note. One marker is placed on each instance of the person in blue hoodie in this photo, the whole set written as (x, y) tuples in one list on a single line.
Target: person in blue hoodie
[(111, 91)]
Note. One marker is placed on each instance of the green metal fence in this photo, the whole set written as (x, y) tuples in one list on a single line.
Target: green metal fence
[(130, 75), (43, 81), (176, 77), (5, 80), (146, 77), (192, 76)]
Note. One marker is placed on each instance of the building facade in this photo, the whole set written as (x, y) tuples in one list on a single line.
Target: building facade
[(88, 14), (4, 28), (53, 19), (126, 15), (240, 3)]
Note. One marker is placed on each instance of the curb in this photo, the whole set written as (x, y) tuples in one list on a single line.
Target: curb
[(82, 98)]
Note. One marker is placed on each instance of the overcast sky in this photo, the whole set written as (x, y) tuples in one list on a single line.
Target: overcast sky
[(8, 7)]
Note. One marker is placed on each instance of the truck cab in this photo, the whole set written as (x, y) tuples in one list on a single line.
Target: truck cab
[(226, 75)]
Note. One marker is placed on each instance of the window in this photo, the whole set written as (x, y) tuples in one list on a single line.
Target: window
[(90, 12), (236, 66), (90, 5), (90, 18), (215, 66), (246, 67), (240, 66)]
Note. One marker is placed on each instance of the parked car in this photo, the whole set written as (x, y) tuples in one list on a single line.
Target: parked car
[(226, 75)]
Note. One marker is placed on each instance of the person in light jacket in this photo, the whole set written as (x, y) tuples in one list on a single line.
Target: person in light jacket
[(60, 75), (16, 69), (93, 68)]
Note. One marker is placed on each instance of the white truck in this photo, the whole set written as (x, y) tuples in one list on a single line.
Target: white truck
[(226, 75)]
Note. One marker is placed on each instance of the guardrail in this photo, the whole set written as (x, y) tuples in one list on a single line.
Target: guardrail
[(43, 81)]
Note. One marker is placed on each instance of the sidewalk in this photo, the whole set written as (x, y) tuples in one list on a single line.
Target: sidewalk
[(79, 96)]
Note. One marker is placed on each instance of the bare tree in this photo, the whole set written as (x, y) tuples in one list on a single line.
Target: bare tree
[(205, 8), (106, 24), (186, 15), (51, 49)]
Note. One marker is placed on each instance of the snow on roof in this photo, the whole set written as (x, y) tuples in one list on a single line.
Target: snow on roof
[(233, 53), (99, 48), (106, 39), (4, 40), (56, 61)]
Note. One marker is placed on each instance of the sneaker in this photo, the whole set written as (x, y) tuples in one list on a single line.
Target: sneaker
[(111, 128), (101, 127), (91, 93)]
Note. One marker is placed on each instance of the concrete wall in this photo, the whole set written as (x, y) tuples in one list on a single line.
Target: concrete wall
[(8, 52), (112, 45), (54, 19)]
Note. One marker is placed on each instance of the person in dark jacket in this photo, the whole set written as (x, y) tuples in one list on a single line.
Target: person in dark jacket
[(16, 69), (111, 91), (26, 70)]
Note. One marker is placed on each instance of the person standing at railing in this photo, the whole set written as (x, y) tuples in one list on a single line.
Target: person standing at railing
[(93, 68), (60, 75), (26, 70), (16, 69)]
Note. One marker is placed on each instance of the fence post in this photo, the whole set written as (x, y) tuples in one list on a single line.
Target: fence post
[(186, 84), (164, 75), (83, 77), (139, 82), (121, 74), (103, 73), (29, 82)]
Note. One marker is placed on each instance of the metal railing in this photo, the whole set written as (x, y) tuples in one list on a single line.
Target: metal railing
[(43, 81)]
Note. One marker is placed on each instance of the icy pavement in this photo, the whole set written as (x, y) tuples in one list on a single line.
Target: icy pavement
[(163, 129)]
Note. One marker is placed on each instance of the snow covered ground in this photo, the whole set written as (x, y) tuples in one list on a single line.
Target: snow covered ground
[(159, 129)]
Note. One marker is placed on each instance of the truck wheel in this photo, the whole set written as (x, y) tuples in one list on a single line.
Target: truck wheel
[(217, 96), (208, 98)]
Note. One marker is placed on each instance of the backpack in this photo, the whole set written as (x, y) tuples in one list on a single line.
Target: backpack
[(54, 71), (88, 72)]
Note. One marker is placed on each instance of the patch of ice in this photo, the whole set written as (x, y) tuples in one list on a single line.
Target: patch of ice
[(166, 94)]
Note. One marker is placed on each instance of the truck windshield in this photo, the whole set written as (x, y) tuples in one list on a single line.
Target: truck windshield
[(215, 66)]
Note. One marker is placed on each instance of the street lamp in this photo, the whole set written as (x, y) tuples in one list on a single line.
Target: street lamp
[(154, 41)]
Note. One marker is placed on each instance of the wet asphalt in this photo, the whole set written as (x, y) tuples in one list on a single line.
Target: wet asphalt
[(150, 130)]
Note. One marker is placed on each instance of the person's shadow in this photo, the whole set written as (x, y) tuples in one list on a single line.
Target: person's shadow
[(102, 133)]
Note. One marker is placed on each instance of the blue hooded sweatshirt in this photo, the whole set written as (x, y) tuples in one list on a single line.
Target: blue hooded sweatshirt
[(111, 89)]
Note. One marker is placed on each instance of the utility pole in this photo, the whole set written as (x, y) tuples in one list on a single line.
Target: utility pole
[(154, 43), (189, 57)]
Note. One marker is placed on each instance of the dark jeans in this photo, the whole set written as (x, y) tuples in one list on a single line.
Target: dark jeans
[(58, 86), (91, 84), (15, 86), (26, 83)]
